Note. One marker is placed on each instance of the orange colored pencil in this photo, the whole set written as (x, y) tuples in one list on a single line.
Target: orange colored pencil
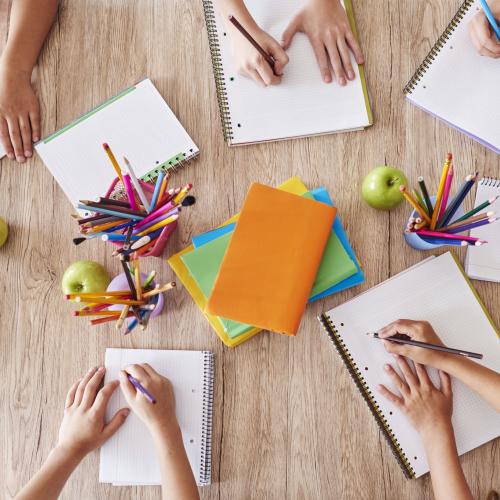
[(106, 225), (158, 289), (106, 319), (137, 274), (97, 295), (126, 302), (439, 195), (96, 313), (414, 203)]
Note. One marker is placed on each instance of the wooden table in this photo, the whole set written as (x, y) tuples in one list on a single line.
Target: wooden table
[(288, 421)]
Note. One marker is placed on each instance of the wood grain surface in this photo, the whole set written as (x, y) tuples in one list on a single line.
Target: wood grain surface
[(288, 423)]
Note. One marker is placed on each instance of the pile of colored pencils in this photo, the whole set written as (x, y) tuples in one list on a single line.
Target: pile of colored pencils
[(435, 222), (137, 303), (134, 223)]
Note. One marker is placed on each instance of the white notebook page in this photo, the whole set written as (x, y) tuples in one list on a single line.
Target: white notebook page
[(461, 87), (129, 457), (138, 125), (302, 104), (483, 262), (437, 292)]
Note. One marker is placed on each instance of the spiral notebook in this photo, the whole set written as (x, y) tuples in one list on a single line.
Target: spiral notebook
[(129, 457), (437, 291), (137, 123), (483, 263), (302, 105), (459, 86)]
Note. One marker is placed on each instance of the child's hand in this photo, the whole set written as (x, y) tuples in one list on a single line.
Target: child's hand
[(83, 427), (327, 27), (19, 113), (417, 330), (252, 64), (483, 37), (159, 416), (426, 406)]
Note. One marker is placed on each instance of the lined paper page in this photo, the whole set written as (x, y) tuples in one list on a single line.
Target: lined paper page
[(138, 124), (302, 104), (483, 262), (129, 457), (461, 87), (437, 292)]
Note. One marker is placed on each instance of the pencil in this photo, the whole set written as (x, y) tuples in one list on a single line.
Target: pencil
[(163, 188), (473, 225), (439, 195), (425, 232), (442, 241), (111, 201), (425, 195), (129, 302), (141, 389), (167, 207), (102, 220), (130, 192), (446, 192), (106, 319), (491, 18), (250, 38), (474, 211), (121, 210), (457, 200), (156, 192), (419, 199), (149, 279), (106, 225), (113, 161), (96, 313), (123, 315), (137, 274), (159, 225), (136, 183), (159, 289), (153, 222), (470, 220), (99, 295), (409, 198), (128, 277), (426, 345), (86, 220), (81, 206), (183, 192)]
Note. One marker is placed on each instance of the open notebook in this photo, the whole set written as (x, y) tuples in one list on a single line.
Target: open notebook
[(458, 85), (483, 263), (436, 291), (302, 104), (137, 123), (129, 457)]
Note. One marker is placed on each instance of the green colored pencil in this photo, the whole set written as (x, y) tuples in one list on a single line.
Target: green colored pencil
[(477, 209)]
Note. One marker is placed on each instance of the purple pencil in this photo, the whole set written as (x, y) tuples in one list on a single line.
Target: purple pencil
[(142, 389), (472, 225)]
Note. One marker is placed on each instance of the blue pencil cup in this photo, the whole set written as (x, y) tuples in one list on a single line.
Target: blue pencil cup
[(416, 242)]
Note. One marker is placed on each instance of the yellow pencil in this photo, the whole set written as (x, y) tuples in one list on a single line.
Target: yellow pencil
[(113, 161), (159, 289), (106, 225), (137, 273), (97, 295), (158, 225), (122, 317), (413, 202), (439, 195), (96, 313), (126, 302)]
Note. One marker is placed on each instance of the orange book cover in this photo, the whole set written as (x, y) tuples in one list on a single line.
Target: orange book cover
[(271, 262)]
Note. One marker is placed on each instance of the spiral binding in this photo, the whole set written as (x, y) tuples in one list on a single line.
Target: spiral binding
[(206, 433), (490, 182), (220, 85), (365, 391), (441, 42)]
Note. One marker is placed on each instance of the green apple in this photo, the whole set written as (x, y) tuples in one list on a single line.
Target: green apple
[(85, 276), (380, 187), (4, 232)]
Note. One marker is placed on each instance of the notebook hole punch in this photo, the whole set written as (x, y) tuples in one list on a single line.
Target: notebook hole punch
[(239, 124)]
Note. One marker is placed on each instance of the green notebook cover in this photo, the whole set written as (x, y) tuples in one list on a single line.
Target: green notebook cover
[(204, 262)]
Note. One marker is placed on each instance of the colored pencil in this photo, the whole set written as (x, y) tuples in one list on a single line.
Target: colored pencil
[(491, 18), (137, 274), (473, 225), (144, 249), (425, 195), (117, 237), (123, 315), (106, 225), (427, 345), (425, 232), (163, 209), (135, 182), (153, 222), (409, 198), (81, 206), (99, 295), (113, 161), (474, 211), (183, 192), (163, 188), (94, 307), (470, 220), (159, 289), (96, 313), (118, 301), (130, 192), (98, 217), (421, 225), (111, 201), (118, 209), (442, 241), (446, 192), (149, 279), (159, 225), (439, 195), (103, 220), (419, 199), (156, 192), (457, 200), (130, 281), (106, 319), (141, 389)]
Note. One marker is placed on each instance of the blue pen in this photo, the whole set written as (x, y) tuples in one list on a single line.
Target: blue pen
[(491, 18), (156, 192)]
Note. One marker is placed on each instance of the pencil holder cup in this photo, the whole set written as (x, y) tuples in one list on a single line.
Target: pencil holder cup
[(158, 248), (120, 283), (419, 243)]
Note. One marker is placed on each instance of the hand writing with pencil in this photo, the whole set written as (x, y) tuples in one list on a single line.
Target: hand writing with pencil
[(482, 34), (326, 25)]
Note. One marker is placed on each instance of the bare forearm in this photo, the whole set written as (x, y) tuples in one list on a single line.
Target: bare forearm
[(447, 477), (178, 482), (480, 379), (49, 481), (30, 21)]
